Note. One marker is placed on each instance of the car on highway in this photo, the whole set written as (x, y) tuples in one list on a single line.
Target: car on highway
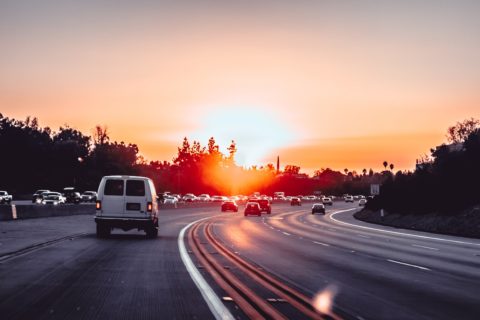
[(203, 197), (218, 198), (252, 208), (126, 202), (5, 198), (318, 208), (295, 201), (362, 202), (189, 197), (71, 195), (327, 201), (229, 205), (264, 204), (349, 199), (170, 200), (52, 198), (37, 196), (89, 196), (234, 198)]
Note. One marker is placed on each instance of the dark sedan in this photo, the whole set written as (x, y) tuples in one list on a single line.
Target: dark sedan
[(229, 205), (252, 208), (318, 208), (295, 202)]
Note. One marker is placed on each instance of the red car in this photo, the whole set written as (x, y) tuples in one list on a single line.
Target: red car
[(264, 205), (295, 202), (252, 208), (229, 205)]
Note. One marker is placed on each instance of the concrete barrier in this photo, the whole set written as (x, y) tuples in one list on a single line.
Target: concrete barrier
[(5, 212), (31, 211), (41, 211)]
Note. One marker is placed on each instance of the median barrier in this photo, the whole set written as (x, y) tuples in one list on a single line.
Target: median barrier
[(30, 211), (5, 212)]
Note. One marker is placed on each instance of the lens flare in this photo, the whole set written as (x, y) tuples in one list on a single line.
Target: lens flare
[(323, 301)]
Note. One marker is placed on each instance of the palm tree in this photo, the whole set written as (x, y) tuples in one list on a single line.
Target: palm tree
[(345, 170), (385, 164), (364, 171), (391, 166)]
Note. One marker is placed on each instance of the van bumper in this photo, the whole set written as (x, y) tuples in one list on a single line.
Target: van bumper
[(127, 223)]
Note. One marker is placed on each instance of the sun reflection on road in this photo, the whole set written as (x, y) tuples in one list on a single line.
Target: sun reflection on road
[(323, 301)]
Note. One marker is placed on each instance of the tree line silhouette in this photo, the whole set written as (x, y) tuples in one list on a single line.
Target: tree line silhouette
[(446, 182), (35, 157)]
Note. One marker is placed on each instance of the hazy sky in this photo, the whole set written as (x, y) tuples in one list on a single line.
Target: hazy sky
[(320, 83)]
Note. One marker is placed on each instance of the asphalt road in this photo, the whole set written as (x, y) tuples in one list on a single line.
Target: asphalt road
[(373, 272)]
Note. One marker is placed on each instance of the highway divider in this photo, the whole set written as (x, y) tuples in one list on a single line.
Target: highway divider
[(30, 211)]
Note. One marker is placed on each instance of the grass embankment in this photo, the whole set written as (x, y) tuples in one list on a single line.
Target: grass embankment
[(465, 223)]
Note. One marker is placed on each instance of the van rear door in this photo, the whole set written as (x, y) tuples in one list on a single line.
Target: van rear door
[(113, 198), (135, 199)]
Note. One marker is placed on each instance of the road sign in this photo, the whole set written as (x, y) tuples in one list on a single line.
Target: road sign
[(374, 189)]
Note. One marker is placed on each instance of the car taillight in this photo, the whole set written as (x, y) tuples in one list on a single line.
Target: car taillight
[(149, 207), (98, 205)]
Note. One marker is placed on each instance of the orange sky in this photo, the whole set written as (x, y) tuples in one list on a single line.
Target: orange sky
[(322, 84)]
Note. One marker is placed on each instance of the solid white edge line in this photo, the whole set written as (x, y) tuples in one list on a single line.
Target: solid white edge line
[(214, 303), (408, 264), (396, 232), (321, 243), (286, 233)]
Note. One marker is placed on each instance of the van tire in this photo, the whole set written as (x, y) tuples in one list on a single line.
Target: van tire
[(103, 231), (152, 232)]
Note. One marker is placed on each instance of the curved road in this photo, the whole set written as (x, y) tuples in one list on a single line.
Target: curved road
[(373, 272)]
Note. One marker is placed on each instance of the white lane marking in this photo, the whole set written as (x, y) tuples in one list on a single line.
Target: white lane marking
[(321, 243), (287, 234), (396, 232), (424, 247), (215, 305), (361, 235), (409, 265)]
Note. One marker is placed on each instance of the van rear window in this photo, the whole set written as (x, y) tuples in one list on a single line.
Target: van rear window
[(135, 188), (114, 188)]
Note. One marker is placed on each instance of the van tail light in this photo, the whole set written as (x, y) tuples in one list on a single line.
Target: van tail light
[(149, 207), (98, 205)]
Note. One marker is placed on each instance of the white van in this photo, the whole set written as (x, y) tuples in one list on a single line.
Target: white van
[(126, 202)]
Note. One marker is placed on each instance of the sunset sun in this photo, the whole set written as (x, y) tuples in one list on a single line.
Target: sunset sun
[(256, 132)]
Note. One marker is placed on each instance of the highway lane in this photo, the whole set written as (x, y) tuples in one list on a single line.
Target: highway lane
[(378, 275), (125, 276)]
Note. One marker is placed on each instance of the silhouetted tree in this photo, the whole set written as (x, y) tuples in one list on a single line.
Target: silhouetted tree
[(100, 135), (462, 130), (291, 169)]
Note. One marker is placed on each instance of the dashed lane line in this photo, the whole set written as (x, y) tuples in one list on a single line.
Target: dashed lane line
[(409, 265), (424, 247)]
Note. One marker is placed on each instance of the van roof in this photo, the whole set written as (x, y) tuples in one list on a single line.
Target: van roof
[(125, 177)]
